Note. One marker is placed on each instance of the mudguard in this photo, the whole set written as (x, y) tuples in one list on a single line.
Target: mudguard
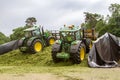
[(29, 42), (75, 46), (57, 46)]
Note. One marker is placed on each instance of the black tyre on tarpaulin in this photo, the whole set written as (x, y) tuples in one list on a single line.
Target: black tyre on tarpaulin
[(78, 53), (9, 46)]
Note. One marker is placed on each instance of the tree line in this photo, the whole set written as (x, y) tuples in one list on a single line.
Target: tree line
[(102, 24), (110, 23)]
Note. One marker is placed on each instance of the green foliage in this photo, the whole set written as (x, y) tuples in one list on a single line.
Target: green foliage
[(113, 25), (114, 9), (103, 30), (116, 31), (113, 29), (31, 19), (99, 25), (91, 19), (30, 22), (3, 38), (17, 33)]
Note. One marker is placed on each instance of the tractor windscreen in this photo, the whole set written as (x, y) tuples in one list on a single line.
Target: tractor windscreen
[(67, 36), (28, 34), (36, 33)]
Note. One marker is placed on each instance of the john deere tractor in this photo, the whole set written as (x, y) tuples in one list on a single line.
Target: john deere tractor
[(71, 45), (35, 40)]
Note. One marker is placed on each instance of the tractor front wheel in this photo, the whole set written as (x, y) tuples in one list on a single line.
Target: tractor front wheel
[(36, 46), (55, 59), (21, 44), (50, 41), (55, 49), (79, 56)]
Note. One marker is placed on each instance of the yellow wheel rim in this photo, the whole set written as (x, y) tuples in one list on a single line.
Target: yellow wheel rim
[(38, 46), (82, 53), (90, 45), (51, 41)]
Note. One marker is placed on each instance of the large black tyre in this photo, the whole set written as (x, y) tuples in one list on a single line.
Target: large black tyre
[(79, 55), (89, 44), (55, 49), (20, 44), (50, 41), (55, 59), (36, 46)]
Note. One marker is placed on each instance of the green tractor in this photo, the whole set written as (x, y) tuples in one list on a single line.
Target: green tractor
[(71, 45), (35, 40)]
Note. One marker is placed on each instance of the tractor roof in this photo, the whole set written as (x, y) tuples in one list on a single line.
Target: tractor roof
[(70, 29), (31, 29)]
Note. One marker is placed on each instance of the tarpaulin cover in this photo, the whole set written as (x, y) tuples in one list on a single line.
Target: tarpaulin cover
[(105, 52), (8, 46)]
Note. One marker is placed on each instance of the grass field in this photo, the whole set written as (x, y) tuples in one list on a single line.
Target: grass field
[(17, 66)]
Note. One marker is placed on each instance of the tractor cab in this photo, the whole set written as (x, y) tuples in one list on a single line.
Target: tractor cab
[(69, 34), (31, 32)]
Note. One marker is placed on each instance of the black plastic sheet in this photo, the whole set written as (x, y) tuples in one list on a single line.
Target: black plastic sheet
[(105, 52), (8, 46)]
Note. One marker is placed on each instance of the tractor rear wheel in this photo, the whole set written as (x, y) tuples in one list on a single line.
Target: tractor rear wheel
[(55, 49), (36, 46), (79, 56), (55, 59), (50, 41), (20, 44)]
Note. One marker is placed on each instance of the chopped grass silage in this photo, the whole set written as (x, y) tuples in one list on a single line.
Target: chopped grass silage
[(17, 63), (17, 58)]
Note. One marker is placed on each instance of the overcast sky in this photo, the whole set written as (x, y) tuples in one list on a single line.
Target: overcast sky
[(52, 14)]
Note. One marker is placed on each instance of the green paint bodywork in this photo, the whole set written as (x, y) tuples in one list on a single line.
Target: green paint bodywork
[(47, 34), (75, 42), (32, 38), (63, 55), (23, 48)]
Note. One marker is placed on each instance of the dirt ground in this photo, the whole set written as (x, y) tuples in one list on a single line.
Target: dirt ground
[(74, 72), (90, 74), (31, 76)]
